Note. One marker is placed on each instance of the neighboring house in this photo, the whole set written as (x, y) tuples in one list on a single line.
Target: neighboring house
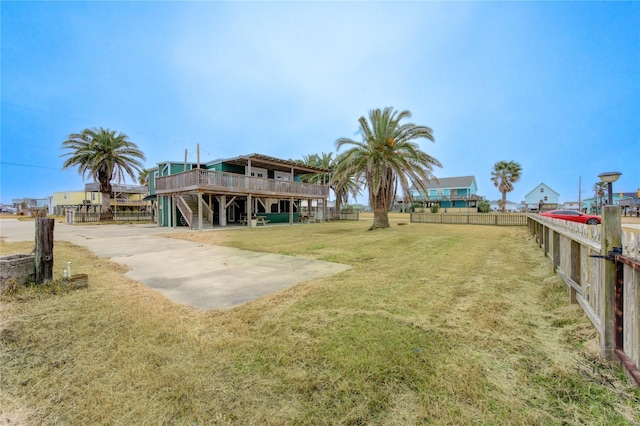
[(570, 205), (628, 201), (124, 199), (230, 190), (22, 205), (453, 192), (542, 197), (511, 206)]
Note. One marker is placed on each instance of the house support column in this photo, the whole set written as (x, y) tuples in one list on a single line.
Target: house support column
[(222, 210), (291, 211), (172, 215), (249, 210), (199, 211)]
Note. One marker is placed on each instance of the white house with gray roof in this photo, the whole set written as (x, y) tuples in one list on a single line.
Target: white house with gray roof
[(540, 197)]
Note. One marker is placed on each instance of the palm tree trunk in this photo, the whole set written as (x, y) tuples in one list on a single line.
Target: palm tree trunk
[(504, 202), (106, 214), (380, 212)]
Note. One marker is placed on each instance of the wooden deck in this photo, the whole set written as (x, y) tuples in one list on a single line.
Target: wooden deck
[(236, 184)]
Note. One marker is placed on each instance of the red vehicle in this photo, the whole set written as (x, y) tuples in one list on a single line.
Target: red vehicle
[(573, 216)]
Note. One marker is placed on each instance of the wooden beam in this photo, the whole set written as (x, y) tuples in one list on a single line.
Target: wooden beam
[(199, 211), (222, 209), (291, 211), (230, 201)]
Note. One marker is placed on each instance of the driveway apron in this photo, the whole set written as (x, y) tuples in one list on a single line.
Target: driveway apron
[(186, 272)]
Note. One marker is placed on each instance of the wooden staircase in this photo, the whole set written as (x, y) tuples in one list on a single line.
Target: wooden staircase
[(188, 206)]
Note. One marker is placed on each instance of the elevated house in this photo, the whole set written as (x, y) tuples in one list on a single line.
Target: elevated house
[(570, 205), (244, 190), (496, 205), (449, 193), (542, 197), (25, 205), (124, 199), (628, 202)]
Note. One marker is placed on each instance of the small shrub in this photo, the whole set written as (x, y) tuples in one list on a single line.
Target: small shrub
[(484, 207), (435, 208), (347, 209)]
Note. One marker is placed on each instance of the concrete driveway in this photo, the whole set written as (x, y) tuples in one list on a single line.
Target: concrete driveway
[(191, 273)]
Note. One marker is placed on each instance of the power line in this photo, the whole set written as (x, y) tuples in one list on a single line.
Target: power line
[(28, 165)]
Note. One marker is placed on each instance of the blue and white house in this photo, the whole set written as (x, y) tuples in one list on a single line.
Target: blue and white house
[(452, 192), (541, 196)]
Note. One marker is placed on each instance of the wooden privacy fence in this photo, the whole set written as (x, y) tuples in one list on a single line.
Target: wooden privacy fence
[(72, 217), (601, 266), (343, 216), (499, 219)]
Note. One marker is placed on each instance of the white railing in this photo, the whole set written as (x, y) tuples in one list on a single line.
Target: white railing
[(116, 187)]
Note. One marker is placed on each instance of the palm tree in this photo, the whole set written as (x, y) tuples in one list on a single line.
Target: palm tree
[(143, 177), (105, 156), (386, 157), (341, 189), (504, 175), (599, 190)]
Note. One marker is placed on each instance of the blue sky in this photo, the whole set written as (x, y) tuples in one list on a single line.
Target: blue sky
[(554, 86)]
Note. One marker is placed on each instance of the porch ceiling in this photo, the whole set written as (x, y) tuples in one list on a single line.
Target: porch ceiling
[(266, 162)]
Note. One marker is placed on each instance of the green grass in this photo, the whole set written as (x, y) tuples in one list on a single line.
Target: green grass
[(434, 324)]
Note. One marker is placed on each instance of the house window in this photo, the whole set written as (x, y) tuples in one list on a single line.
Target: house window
[(541, 189), (256, 172), (439, 192), (545, 198)]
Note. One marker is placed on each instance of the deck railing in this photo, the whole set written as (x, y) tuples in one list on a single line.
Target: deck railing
[(232, 183), (116, 187), (471, 197)]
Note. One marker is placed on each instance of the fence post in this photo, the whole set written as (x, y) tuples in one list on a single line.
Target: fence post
[(611, 237), (44, 249)]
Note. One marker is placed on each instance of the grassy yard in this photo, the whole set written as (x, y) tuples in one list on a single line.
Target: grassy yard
[(434, 324)]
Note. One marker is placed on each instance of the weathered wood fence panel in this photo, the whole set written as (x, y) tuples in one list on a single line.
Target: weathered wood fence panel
[(594, 272), (496, 219), (631, 302), (343, 216), (72, 217)]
